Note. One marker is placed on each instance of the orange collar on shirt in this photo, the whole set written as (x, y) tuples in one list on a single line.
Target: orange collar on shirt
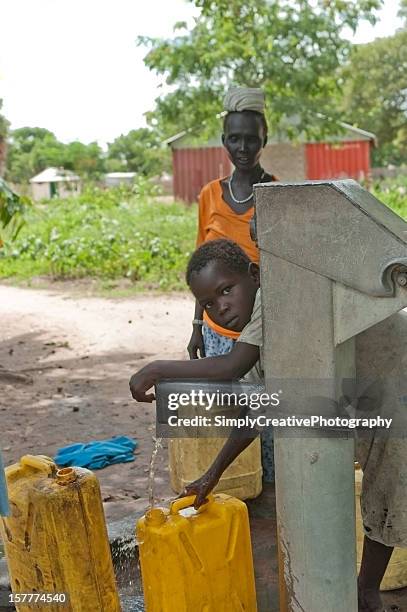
[(229, 333)]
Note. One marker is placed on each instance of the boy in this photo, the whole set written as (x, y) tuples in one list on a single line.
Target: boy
[(226, 284)]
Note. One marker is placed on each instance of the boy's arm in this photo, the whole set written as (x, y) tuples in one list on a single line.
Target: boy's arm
[(231, 366), (208, 481)]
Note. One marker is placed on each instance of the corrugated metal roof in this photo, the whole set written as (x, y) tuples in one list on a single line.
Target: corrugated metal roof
[(350, 129), (120, 174), (54, 175)]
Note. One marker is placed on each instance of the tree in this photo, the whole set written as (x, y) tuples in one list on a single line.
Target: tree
[(4, 127), (34, 149), (85, 160), (375, 94), (403, 9), (31, 150), (292, 48), (138, 151), (4, 124)]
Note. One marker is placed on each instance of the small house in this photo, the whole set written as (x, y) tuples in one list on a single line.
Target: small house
[(112, 179), (55, 182)]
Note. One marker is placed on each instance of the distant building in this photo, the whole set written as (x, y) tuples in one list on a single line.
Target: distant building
[(112, 179), (196, 162), (55, 182)]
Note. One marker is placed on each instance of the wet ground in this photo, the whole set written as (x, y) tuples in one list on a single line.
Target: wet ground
[(264, 543)]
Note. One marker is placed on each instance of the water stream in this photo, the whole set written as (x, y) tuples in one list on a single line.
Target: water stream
[(157, 446), (126, 558)]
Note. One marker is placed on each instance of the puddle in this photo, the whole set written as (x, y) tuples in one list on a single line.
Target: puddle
[(132, 604), (128, 577)]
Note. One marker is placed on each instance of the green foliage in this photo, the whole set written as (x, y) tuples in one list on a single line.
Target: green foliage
[(85, 160), (138, 151), (107, 234), (121, 233), (34, 149), (292, 48), (375, 95), (4, 124), (12, 213), (403, 9), (393, 192)]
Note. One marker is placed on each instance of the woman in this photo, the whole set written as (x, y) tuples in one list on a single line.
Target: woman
[(225, 211), (226, 205)]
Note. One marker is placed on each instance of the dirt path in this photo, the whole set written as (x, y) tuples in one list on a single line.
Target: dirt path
[(79, 353)]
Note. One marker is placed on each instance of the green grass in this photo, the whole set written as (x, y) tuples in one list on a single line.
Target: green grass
[(105, 234), (124, 238)]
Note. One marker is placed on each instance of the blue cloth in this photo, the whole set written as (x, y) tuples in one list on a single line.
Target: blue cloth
[(4, 507), (98, 454)]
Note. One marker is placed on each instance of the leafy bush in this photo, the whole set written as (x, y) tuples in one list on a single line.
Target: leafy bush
[(12, 212), (393, 192), (107, 234), (121, 232)]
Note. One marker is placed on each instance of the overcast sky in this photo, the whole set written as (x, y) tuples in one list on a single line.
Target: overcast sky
[(73, 66)]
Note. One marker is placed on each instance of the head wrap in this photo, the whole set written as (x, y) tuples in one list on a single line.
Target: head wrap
[(240, 99)]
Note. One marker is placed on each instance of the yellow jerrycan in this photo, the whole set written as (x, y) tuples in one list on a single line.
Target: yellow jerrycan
[(55, 539), (396, 573), (197, 561), (189, 458)]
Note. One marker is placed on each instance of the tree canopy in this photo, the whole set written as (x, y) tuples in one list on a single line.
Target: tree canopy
[(292, 48), (33, 149), (375, 94), (4, 124), (138, 151)]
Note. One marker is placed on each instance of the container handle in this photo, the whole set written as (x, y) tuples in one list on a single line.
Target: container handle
[(185, 502), (39, 462)]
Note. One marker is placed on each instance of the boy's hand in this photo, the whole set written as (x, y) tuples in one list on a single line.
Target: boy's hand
[(201, 487), (141, 382)]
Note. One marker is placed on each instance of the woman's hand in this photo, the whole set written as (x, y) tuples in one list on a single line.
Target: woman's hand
[(196, 343), (201, 487)]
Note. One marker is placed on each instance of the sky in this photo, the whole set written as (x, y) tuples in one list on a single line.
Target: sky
[(73, 66)]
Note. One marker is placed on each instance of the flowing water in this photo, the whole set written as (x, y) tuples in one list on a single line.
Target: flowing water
[(125, 557), (157, 446)]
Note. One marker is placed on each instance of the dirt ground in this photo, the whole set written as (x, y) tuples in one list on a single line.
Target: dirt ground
[(78, 353)]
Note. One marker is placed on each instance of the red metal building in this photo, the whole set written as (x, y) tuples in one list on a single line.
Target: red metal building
[(349, 159), (347, 156)]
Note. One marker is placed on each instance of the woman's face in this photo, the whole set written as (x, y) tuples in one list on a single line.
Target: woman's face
[(244, 139)]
